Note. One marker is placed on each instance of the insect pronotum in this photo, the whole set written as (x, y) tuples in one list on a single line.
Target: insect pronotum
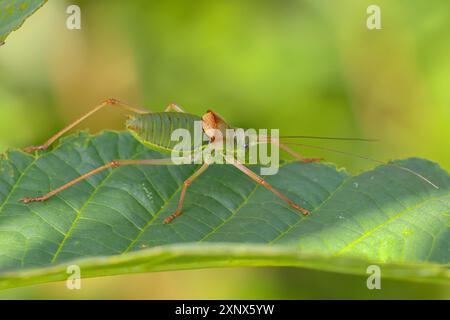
[(154, 131)]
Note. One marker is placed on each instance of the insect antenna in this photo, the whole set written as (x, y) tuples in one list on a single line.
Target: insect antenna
[(364, 158), (329, 138)]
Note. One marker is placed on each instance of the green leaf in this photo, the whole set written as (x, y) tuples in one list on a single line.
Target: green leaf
[(13, 13), (112, 222)]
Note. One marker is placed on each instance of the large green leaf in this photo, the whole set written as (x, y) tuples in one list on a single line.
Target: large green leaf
[(13, 13), (112, 222)]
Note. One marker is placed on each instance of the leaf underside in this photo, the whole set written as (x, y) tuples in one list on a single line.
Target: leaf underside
[(112, 222), (13, 14)]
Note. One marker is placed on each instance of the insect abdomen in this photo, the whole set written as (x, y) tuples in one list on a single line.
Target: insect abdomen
[(156, 128)]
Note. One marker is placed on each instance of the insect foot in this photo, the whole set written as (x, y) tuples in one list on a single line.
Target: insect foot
[(311, 160), (297, 207), (28, 200), (34, 148), (171, 217)]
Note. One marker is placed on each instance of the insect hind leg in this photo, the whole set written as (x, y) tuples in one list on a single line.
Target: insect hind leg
[(112, 164), (107, 102)]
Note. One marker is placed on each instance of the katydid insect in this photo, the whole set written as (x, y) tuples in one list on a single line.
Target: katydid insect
[(154, 131)]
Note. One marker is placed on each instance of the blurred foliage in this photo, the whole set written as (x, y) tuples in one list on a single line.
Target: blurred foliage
[(306, 67), (236, 283)]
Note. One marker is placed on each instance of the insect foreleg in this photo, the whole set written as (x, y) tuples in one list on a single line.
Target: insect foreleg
[(265, 139), (112, 164), (265, 184), (108, 102), (298, 156)]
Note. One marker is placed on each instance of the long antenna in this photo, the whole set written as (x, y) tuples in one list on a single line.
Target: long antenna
[(330, 138), (365, 158)]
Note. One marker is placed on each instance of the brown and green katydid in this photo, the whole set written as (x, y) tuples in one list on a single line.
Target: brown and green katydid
[(154, 129)]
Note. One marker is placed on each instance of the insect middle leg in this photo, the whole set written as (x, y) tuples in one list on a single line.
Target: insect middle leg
[(107, 102), (174, 107), (266, 185)]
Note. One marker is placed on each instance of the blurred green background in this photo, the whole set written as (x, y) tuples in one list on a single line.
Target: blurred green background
[(304, 66)]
